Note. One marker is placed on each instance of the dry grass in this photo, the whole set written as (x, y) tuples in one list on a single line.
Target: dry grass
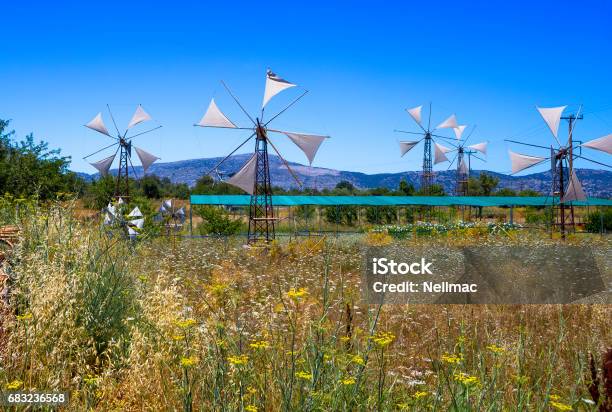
[(209, 325)]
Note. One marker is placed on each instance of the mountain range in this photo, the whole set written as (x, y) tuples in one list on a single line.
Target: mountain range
[(596, 183)]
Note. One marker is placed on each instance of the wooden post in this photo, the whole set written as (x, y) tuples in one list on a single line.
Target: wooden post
[(190, 218)]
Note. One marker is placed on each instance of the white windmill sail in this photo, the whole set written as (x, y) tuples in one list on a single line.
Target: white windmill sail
[(574, 189), (135, 212), (309, 143), (415, 112), (522, 162), (120, 201), (449, 123), (97, 124), (459, 131), (552, 117), (181, 211), (274, 85), (440, 153), (245, 177), (146, 158), (104, 165), (132, 233), (463, 167), (603, 143), (110, 209), (108, 218), (167, 204), (139, 116), (406, 146), (481, 147), (214, 117), (139, 223)]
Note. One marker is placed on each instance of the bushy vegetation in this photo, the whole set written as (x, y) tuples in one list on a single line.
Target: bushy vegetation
[(599, 220), (216, 221), (207, 326)]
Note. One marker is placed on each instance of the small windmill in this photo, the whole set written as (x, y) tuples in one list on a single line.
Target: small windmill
[(123, 144), (464, 166), (254, 176), (170, 216), (565, 184), (428, 137), (129, 225)]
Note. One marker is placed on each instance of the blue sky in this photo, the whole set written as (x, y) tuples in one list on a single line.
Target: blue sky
[(489, 62)]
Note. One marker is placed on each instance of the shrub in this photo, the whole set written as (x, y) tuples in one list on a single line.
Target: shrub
[(594, 221), (216, 221)]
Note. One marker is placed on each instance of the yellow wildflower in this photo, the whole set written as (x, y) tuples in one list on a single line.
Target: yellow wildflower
[(188, 362), (345, 339), (304, 375), (383, 339), (16, 384), (261, 344), (91, 380), (453, 359), (466, 379), (250, 408), (185, 324), (297, 294), (221, 343), (251, 390), (496, 349), (420, 394), (177, 337), (358, 360), (560, 406), (238, 360), (461, 339), (554, 397), (348, 381), (25, 316)]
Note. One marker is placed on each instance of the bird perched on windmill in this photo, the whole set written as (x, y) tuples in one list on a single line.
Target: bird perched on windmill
[(123, 145), (254, 176), (428, 136), (565, 186)]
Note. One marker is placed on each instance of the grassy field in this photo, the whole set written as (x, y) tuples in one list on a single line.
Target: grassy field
[(207, 324)]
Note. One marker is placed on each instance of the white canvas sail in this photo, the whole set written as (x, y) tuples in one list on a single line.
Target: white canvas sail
[(167, 204), (309, 143), (214, 117), (97, 124), (406, 146), (459, 131), (574, 189), (603, 143), (139, 116), (449, 123), (146, 159), (274, 85), (104, 165), (135, 212), (522, 162), (481, 147), (245, 177), (463, 167), (415, 112), (440, 153), (552, 117), (139, 223)]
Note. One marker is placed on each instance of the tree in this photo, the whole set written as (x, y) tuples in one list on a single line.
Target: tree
[(28, 168), (216, 221), (151, 187), (346, 185), (406, 189), (505, 192), (484, 185)]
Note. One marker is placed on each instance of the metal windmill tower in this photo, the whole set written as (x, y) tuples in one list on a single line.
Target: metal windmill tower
[(463, 157), (565, 184), (428, 137), (254, 176), (123, 144)]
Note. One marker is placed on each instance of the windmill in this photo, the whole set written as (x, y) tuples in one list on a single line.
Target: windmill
[(123, 144), (565, 184), (170, 216), (254, 176), (465, 165), (428, 137), (129, 225)]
